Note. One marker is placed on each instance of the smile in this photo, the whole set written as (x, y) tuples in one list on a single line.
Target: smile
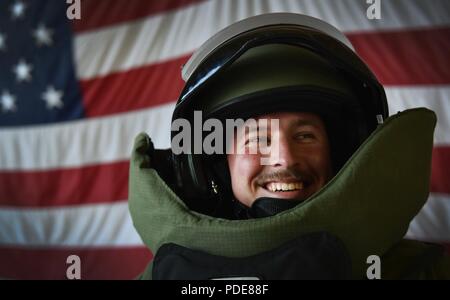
[(284, 186)]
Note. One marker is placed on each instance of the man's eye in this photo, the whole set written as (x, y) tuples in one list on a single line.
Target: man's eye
[(305, 136)]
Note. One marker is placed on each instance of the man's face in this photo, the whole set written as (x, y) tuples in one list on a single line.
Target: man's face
[(301, 166)]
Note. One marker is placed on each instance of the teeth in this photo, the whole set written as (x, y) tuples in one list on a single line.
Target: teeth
[(281, 186)]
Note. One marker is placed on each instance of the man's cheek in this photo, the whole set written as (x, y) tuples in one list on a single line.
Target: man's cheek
[(249, 164)]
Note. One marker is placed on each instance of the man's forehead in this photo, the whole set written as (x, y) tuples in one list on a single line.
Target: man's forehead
[(290, 116), (280, 121), (287, 118)]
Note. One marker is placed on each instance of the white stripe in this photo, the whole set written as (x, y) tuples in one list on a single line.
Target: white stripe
[(90, 225), (436, 99), (91, 141), (111, 225), (433, 221), (166, 36), (110, 139)]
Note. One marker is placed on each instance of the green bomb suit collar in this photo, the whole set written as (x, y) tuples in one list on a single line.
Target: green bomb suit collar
[(373, 198)]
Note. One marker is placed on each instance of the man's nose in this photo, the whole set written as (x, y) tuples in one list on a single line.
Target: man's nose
[(282, 153)]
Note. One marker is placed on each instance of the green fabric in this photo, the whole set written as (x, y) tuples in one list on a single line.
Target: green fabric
[(368, 204)]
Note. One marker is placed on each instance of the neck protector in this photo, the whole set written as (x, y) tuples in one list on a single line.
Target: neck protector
[(368, 204)]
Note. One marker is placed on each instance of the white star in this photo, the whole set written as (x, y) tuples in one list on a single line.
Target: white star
[(53, 97), (8, 102), (23, 71), (2, 41), (43, 36), (18, 9)]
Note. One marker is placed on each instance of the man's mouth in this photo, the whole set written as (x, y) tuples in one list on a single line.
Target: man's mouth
[(284, 186)]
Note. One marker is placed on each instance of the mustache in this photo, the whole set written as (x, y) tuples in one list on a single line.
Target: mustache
[(286, 174)]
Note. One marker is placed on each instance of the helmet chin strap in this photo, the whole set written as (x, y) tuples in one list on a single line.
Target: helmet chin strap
[(264, 207)]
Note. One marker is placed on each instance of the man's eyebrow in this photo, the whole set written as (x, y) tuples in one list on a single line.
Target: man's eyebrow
[(298, 123), (303, 122)]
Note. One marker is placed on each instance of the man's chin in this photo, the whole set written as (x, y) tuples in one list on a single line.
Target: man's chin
[(297, 195)]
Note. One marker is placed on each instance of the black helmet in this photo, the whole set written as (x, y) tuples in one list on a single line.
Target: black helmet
[(268, 63)]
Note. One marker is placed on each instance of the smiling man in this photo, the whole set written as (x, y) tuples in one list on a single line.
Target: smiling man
[(297, 168), (326, 182)]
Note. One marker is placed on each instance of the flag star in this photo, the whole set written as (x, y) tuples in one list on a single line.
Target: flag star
[(2, 41), (43, 35), (18, 9), (53, 97), (8, 102), (23, 71)]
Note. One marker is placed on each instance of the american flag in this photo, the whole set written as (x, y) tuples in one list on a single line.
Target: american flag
[(75, 93)]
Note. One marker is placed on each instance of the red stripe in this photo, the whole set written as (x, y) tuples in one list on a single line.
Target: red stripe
[(406, 57), (397, 58), (92, 184), (100, 13), (96, 263), (440, 170), (109, 183), (135, 89)]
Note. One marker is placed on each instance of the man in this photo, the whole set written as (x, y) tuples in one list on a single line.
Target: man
[(315, 194), (299, 168)]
